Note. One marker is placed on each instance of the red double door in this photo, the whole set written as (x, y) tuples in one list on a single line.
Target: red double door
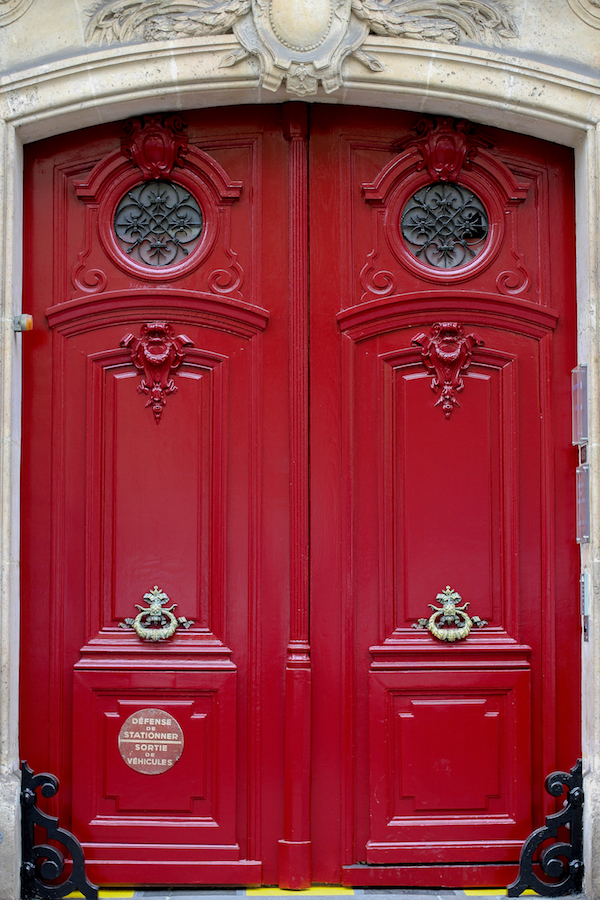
[(298, 563)]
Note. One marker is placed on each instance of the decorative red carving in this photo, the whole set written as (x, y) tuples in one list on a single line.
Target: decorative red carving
[(447, 146), (90, 281), (157, 354), (447, 354), (155, 144), (150, 149), (517, 280), (449, 152)]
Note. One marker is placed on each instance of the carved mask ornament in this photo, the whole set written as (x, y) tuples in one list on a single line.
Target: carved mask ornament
[(446, 146), (155, 145), (157, 353), (447, 354)]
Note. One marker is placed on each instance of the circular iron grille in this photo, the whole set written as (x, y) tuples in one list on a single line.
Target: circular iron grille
[(444, 225), (158, 223)]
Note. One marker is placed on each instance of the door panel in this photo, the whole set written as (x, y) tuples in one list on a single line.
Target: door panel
[(144, 460), (157, 513), (426, 476), (438, 484), (165, 448)]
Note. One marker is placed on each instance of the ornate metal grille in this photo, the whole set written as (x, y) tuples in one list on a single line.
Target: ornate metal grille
[(158, 223), (444, 225)]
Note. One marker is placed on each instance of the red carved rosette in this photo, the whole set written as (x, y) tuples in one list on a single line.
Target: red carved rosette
[(446, 353), (446, 146), (155, 147), (155, 159), (443, 152), (157, 353)]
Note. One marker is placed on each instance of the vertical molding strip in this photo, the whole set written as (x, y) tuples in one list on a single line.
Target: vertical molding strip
[(11, 230), (295, 848)]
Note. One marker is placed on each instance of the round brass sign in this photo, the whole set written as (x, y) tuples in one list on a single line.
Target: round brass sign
[(151, 741)]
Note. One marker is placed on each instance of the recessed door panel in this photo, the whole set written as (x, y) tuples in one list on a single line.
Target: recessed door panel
[(456, 749)]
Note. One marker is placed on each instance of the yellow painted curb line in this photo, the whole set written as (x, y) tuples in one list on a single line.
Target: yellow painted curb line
[(495, 892), (315, 890), (103, 894)]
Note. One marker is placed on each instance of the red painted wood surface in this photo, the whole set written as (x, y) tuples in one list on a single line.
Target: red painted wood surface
[(295, 846), (115, 503), (360, 750), (433, 754)]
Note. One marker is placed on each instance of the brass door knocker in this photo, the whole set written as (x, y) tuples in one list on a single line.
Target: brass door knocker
[(155, 622), (449, 622)]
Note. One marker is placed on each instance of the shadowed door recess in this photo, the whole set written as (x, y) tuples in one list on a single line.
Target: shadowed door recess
[(204, 728)]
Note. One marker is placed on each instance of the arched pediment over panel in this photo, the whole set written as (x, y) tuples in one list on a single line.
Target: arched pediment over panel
[(444, 206), (161, 209)]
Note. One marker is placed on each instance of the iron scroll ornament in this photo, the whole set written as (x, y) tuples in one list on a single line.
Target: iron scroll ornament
[(561, 860), (444, 225), (158, 223), (449, 622), (43, 862)]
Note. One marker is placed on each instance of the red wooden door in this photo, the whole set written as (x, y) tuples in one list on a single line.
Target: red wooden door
[(442, 339), (155, 455), (165, 449)]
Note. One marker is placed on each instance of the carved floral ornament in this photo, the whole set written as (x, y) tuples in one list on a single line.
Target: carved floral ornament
[(304, 42), (158, 353), (446, 354), (155, 146)]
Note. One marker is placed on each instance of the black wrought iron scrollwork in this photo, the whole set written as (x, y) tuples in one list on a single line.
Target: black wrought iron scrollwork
[(561, 861), (158, 223), (444, 225), (43, 863)]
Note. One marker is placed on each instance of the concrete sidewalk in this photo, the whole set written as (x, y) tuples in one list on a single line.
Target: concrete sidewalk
[(315, 893)]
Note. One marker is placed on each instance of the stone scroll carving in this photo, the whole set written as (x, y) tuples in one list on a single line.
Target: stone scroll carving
[(587, 10), (11, 10), (304, 43)]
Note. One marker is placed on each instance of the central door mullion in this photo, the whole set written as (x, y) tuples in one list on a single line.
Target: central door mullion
[(295, 848)]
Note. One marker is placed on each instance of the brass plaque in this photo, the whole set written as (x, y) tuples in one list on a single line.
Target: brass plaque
[(151, 741)]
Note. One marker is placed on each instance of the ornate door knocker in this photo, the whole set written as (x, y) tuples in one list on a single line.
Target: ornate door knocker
[(449, 622), (156, 622)]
